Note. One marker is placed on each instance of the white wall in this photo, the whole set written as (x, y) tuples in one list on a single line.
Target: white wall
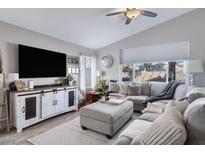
[(189, 27), (11, 36)]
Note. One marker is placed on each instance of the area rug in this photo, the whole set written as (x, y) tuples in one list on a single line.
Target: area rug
[(70, 133)]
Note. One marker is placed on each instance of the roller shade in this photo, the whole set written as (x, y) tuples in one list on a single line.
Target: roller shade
[(162, 52)]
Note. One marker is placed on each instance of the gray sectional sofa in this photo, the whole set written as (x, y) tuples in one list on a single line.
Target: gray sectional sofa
[(147, 89), (155, 131), (171, 127)]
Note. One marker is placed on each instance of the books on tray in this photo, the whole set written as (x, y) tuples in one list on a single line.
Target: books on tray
[(114, 101)]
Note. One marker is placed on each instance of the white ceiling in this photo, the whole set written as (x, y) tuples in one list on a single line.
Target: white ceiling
[(86, 27)]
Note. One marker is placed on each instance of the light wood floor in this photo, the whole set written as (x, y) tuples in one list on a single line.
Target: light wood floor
[(21, 138)]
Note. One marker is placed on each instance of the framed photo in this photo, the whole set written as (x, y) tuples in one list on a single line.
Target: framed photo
[(77, 70), (73, 60), (73, 70), (69, 70), (20, 85), (69, 60)]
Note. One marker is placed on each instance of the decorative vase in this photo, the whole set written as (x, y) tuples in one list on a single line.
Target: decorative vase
[(103, 98)]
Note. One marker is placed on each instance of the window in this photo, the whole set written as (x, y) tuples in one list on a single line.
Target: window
[(155, 71), (180, 75), (150, 72)]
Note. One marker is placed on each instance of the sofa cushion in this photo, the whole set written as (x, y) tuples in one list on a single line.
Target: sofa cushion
[(123, 88), (149, 116), (117, 95), (114, 87), (166, 129), (106, 112), (155, 107), (156, 87), (134, 90), (137, 99), (194, 117), (164, 101), (136, 128), (181, 91), (123, 140), (145, 88)]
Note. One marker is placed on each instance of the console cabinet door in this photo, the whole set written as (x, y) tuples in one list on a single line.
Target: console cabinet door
[(48, 104), (70, 99), (60, 101), (29, 109)]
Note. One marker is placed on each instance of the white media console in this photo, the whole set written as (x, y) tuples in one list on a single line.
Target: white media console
[(28, 108)]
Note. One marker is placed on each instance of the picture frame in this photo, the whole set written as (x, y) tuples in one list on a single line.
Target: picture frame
[(20, 85), (73, 60), (73, 70), (77, 70), (69, 70)]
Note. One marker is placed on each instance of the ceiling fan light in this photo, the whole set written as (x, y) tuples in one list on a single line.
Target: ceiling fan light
[(133, 13)]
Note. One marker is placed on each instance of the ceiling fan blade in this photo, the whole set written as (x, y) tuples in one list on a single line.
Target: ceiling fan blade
[(115, 13), (128, 21), (148, 13)]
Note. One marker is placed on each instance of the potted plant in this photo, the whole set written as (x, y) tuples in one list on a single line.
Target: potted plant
[(103, 95), (69, 78)]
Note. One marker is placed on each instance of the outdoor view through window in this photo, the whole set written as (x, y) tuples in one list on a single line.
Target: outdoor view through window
[(155, 71)]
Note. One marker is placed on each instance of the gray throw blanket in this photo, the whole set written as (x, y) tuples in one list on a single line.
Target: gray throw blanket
[(167, 92)]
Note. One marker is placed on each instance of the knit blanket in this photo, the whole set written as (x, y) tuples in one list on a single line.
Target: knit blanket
[(167, 92)]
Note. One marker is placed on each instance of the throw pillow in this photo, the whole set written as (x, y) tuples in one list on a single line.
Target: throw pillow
[(134, 90), (194, 96), (149, 116), (180, 105), (114, 87), (145, 88), (123, 88), (156, 107), (167, 129), (196, 90)]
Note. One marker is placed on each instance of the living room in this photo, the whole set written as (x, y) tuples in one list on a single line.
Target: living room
[(102, 76)]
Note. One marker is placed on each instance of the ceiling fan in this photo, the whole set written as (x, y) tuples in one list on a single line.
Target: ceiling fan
[(132, 13)]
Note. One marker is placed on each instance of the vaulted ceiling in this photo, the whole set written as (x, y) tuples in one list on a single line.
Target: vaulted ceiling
[(88, 27)]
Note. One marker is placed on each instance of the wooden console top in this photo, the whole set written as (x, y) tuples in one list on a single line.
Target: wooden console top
[(41, 88)]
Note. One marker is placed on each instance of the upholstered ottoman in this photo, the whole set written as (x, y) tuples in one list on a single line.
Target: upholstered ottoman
[(105, 118)]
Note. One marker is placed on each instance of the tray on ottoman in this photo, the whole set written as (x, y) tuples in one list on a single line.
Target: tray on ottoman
[(105, 118)]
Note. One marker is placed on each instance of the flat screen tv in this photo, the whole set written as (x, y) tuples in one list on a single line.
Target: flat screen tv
[(40, 63)]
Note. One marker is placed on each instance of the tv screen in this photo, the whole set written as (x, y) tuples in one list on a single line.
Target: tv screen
[(40, 63)]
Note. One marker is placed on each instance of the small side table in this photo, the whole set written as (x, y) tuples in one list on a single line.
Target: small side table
[(92, 96)]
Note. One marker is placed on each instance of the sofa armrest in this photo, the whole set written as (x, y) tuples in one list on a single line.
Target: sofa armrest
[(195, 122)]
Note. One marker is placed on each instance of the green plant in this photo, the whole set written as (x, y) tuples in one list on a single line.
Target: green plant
[(102, 93), (101, 85), (70, 77)]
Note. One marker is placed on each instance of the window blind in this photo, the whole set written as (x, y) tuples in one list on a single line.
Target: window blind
[(154, 53)]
